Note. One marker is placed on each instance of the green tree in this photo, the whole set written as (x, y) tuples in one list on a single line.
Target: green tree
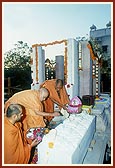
[(18, 57), (17, 65)]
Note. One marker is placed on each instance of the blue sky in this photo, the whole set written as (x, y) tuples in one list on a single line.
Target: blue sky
[(42, 23)]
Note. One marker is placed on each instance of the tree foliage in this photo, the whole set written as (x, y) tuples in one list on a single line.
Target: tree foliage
[(18, 57), (17, 65)]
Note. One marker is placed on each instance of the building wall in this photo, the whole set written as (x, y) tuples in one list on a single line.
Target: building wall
[(103, 36)]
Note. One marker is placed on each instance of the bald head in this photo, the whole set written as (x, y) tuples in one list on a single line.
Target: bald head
[(14, 113), (13, 109), (59, 84), (44, 93)]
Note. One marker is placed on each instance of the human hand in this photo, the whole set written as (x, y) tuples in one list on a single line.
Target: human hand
[(55, 114), (65, 107), (35, 142)]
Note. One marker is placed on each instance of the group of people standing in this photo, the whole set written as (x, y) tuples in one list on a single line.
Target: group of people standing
[(27, 109)]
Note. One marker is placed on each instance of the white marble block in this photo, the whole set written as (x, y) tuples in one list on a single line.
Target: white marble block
[(71, 141), (101, 118)]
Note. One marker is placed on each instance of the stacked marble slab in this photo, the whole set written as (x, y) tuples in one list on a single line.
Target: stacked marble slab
[(102, 136), (71, 141), (101, 119), (102, 111), (107, 104)]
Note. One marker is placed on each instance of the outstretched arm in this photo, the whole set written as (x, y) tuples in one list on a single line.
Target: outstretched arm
[(46, 113), (61, 105)]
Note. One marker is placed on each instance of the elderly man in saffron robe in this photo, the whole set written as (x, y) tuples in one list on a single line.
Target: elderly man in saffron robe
[(31, 100), (16, 148), (58, 95)]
